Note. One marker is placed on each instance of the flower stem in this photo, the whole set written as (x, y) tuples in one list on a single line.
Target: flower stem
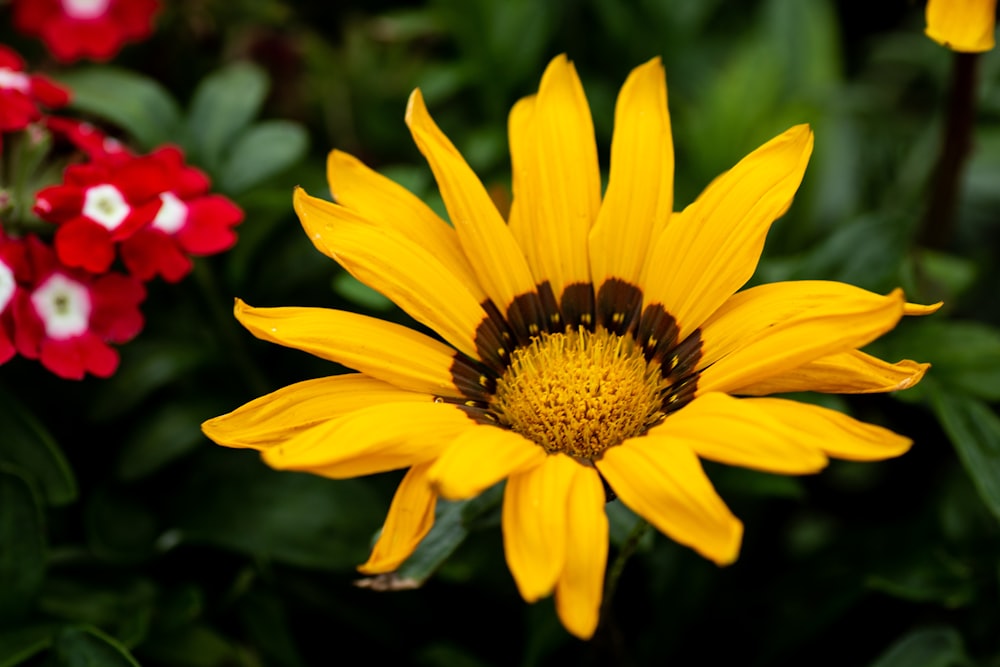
[(618, 566), (938, 224)]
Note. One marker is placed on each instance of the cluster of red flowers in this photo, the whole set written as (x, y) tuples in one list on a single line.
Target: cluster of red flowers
[(118, 219), (95, 29)]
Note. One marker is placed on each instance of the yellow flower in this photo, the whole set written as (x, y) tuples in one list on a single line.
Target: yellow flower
[(962, 25), (590, 341)]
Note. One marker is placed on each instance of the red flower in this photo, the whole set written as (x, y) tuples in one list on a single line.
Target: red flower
[(88, 139), (13, 271), (100, 204), (67, 318), (95, 29), (21, 93), (189, 222)]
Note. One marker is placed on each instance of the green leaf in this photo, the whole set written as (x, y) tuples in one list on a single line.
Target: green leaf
[(930, 577), (865, 252), (122, 606), (147, 365), (805, 34), (223, 105), (448, 532), (119, 527), (266, 618), (451, 526), (29, 446), (926, 647), (163, 436), (22, 536), (16, 646), (964, 356), (234, 501), (192, 646), (357, 292), (951, 275), (137, 104), (262, 151), (86, 646), (974, 430)]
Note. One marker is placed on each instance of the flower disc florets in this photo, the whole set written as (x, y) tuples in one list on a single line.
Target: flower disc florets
[(580, 392)]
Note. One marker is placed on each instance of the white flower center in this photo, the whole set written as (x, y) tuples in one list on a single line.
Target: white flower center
[(7, 285), (64, 306), (105, 205), (85, 9), (11, 80), (172, 214)]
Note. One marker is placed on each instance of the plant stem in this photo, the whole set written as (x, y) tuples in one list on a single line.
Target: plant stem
[(618, 566), (938, 224)]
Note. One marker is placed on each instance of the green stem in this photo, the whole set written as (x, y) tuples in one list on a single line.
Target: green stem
[(938, 224), (618, 566)]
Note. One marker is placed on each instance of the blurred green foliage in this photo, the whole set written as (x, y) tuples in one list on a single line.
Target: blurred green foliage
[(127, 538)]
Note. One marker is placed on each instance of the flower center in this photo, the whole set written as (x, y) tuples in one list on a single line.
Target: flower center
[(579, 392), (63, 306), (85, 9), (106, 205), (11, 80), (172, 214), (7, 285)]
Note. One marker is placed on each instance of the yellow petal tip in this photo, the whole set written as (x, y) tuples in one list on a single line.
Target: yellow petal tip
[(414, 105), (919, 309)]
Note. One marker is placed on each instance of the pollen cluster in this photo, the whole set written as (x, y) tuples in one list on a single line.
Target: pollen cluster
[(579, 392)]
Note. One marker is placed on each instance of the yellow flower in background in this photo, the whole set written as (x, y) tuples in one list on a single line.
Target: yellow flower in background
[(962, 25), (590, 341)]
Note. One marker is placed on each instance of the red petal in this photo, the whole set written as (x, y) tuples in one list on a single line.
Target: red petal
[(63, 357), (31, 15), (16, 110), (58, 203), (136, 17), (48, 93), (10, 59), (116, 300), (28, 327), (150, 252), (142, 179), (209, 230), (85, 244), (7, 348)]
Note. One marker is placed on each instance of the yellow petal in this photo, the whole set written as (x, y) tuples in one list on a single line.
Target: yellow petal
[(639, 198), (522, 219), (701, 258), (534, 524), (556, 180), (481, 457), (773, 328), (393, 208), (919, 309), (852, 372), (737, 432), (581, 584), (663, 482), (282, 414), (487, 242), (375, 439), (406, 272), (962, 25), (383, 350), (835, 433), (410, 518)]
